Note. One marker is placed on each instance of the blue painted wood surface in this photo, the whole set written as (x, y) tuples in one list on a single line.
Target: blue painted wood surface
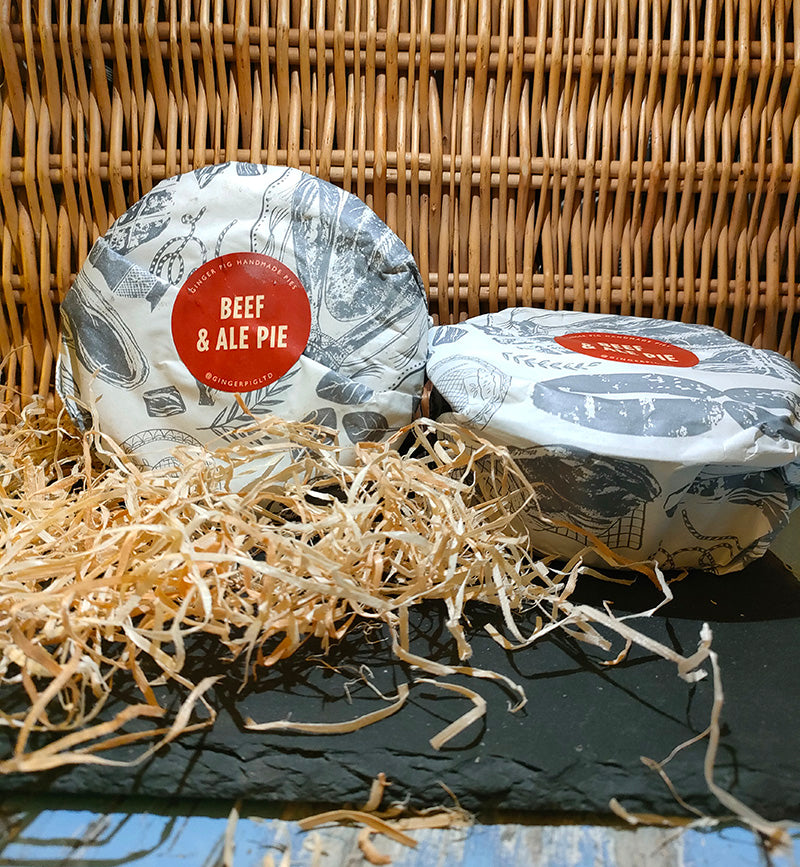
[(129, 835)]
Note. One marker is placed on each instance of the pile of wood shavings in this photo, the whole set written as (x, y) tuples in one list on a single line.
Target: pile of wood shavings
[(108, 568)]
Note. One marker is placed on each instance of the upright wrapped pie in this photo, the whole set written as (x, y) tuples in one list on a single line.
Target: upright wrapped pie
[(663, 440), (248, 279)]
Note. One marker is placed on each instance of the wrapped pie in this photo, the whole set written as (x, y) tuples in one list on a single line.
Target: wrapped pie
[(662, 440), (236, 291)]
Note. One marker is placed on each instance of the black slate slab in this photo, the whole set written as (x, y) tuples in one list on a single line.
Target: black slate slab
[(574, 746)]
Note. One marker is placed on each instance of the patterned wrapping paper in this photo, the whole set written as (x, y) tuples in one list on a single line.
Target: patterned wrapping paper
[(154, 299), (667, 441)]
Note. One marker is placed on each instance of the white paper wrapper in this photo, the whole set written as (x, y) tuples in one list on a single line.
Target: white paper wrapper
[(667, 441), (187, 300)]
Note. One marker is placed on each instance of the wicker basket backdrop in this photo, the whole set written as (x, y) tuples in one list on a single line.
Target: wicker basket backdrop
[(624, 156)]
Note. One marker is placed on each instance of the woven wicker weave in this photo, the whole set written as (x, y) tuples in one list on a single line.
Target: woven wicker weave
[(634, 157)]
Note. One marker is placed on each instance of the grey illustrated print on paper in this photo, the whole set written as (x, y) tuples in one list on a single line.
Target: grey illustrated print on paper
[(774, 413), (170, 262), (324, 416), (711, 550), (737, 358), (206, 394), (539, 363), (221, 238), (474, 388), (160, 438), (232, 419), (768, 495), (339, 389), (98, 335), (206, 174), (520, 325), (122, 277), (633, 404), (250, 169), (144, 221), (657, 405), (163, 402), (764, 490), (602, 495), (365, 426), (709, 555), (360, 279), (447, 334), (270, 233)]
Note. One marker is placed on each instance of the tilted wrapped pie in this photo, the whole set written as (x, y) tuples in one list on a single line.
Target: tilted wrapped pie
[(663, 440)]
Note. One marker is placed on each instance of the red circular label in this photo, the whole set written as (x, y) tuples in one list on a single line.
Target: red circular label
[(241, 321), (628, 349)]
